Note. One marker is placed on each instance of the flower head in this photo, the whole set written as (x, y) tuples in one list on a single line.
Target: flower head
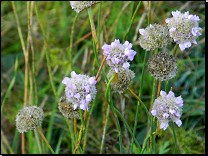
[(167, 109), (162, 66), (28, 118), (118, 54), (154, 36), (67, 108), (122, 81), (183, 28), (81, 5), (80, 90)]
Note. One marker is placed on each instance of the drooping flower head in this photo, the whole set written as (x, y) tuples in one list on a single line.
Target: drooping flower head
[(80, 90), (167, 107), (118, 54), (28, 118), (81, 5), (67, 108), (154, 36), (183, 28), (162, 66), (122, 81)]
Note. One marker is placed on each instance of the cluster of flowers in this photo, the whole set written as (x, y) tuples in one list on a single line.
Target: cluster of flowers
[(117, 56), (167, 107), (80, 90), (78, 6), (182, 28), (28, 118), (162, 66)]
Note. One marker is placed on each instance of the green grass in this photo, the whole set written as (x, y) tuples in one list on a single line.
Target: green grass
[(51, 37)]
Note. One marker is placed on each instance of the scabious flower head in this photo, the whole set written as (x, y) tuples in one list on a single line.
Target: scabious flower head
[(80, 90), (81, 5), (183, 28), (121, 82), (162, 66), (154, 36), (167, 107), (28, 118), (67, 109), (118, 54)]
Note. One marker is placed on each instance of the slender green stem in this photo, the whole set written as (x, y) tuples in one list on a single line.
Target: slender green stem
[(104, 130), (98, 62), (38, 141), (45, 140), (132, 20), (98, 23), (129, 129), (86, 129), (47, 54), (140, 92), (81, 117), (11, 84), (166, 86), (79, 139), (149, 17), (92, 26), (108, 85), (114, 112), (174, 135), (152, 120), (71, 41), (145, 144), (71, 131), (175, 50), (145, 108)]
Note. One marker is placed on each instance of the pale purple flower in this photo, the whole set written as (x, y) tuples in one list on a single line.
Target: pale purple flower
[(172, 29), (73, 74), (194, 42), (194, 18), (172, 111), (80, 90), (77, 95), (65, 80), (170, 94), (158, 102), (164, 125), (88, 98), (179, 122), (179, 100), (126, 65), (165, 115), (162, 93), (184, 45), (176, 13), (78, 6), (177, 114), (154, 112), (167, 20), (195, 31), (169, 109), (92, 80), (141, 31), (185, 15), (118, 54), (75, 106), (181, 34)]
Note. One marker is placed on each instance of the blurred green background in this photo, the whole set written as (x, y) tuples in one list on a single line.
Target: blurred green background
[(57, 19)]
